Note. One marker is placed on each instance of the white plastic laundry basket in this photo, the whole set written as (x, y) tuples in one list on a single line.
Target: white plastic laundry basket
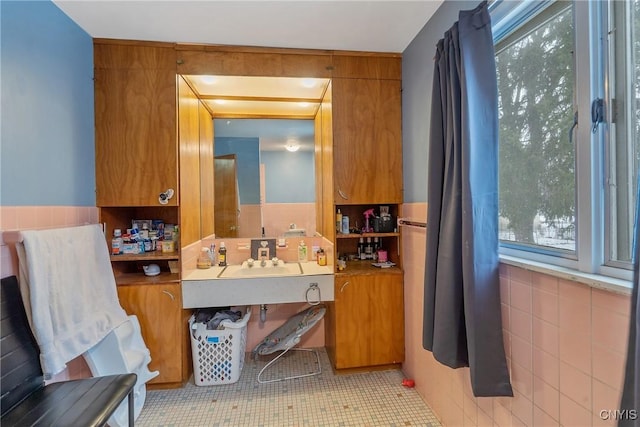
[(218, 355)]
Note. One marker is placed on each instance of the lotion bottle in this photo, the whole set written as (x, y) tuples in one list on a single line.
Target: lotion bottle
[(302, 252)]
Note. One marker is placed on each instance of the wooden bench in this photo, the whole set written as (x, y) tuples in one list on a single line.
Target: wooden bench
[(27, 401)]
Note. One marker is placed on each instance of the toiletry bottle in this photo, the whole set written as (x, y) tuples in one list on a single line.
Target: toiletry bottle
[(212, 253), (302, 252), (222, 255), (345, 224), (339, 221), (368, 249), (116, 242), (361, 253), (374, 250)]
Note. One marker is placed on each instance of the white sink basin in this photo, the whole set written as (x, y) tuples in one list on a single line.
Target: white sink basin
[(243, 285), (281, 269)]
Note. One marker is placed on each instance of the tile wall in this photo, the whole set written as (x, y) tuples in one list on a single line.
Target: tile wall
[(565, 344), (41, 217), (14, 218)]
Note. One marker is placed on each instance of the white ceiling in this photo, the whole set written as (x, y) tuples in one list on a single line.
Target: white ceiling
[(372, 26)]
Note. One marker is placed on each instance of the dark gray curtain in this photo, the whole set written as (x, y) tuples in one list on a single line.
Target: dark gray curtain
[(462, 317), (630, 405)]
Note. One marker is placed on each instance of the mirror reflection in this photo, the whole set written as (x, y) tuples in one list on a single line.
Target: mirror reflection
[(264, 177)]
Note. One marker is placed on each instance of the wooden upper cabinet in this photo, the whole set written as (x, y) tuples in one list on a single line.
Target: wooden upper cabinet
[(367, 141), (135, 119)]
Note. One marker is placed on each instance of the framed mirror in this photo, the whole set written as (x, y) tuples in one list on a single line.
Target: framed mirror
[(260, 188)]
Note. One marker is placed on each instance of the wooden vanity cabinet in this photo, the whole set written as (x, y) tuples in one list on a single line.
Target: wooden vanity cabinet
[(135, 122), (158, 307), (365, 323)]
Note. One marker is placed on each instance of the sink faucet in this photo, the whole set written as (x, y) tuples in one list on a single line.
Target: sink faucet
[(263, 253)]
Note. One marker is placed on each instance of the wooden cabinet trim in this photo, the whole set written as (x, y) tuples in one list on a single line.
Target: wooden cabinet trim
[(105, 41), (367, 67)]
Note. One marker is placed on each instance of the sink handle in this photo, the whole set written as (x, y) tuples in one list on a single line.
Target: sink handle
[(313, 287)]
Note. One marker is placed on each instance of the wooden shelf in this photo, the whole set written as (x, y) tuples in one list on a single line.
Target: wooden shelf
[(147, 256), (141, 279), (357, 236), (365, 267)]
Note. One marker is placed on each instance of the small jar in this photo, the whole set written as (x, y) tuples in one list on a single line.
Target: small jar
[(321, 257), (204, 260)]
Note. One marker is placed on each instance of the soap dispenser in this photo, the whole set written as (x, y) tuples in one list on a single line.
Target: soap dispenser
[(302, 252)]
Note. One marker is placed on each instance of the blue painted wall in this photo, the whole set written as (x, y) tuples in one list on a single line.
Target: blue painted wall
[(47, 128), (417, 79), (47, 137), (290, 177), (247, 152)]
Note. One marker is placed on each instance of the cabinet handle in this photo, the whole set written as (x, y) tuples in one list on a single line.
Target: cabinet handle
[(341, 193), (170, 294), (344, 285), (163, 198)]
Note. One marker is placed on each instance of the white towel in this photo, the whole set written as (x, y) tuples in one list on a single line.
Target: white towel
[(69, 291)]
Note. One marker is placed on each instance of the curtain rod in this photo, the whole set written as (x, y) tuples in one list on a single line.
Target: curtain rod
[(411, 223)]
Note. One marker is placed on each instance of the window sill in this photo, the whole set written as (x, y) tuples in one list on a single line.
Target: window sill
[(611, 284)]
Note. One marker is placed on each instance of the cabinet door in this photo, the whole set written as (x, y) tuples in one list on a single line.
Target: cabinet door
[(367, 137), (369, 320), (159, 311), (135, 120)]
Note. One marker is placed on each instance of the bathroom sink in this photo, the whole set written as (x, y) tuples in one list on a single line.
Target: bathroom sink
[(244, 271)]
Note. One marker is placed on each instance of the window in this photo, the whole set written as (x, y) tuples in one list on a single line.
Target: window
[(535, 70), (567, 187)]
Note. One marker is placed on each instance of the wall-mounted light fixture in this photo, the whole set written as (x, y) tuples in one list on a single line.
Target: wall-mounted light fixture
[(292, 145)]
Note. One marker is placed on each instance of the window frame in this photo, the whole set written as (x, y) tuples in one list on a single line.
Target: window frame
[(591, 74)]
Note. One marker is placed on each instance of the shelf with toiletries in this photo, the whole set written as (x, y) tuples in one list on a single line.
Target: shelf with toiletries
[(367, 234), (146, 256), (129, 268)]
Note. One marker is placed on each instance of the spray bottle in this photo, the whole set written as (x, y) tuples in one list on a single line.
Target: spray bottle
[(367, 227)]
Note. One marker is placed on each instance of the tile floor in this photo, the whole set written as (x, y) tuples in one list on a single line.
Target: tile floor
[(362, 399)]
